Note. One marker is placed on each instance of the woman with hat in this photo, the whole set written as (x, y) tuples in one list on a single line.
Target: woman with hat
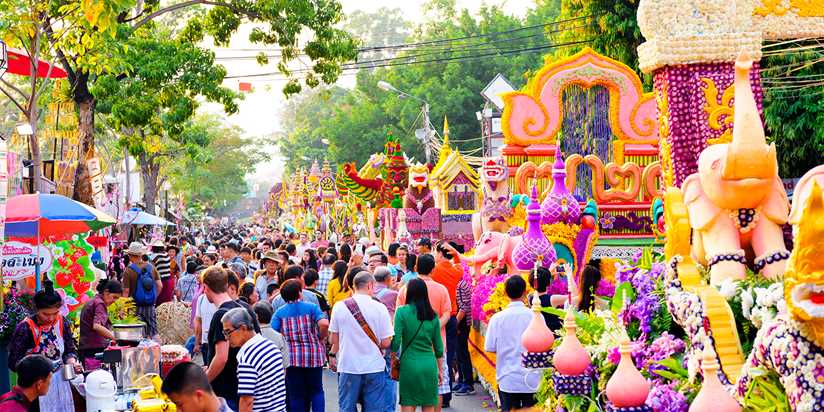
[(271, 262), (95, 325), (47, 333)]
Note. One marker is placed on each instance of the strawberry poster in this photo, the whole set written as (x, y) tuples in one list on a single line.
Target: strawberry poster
[(71, 272)]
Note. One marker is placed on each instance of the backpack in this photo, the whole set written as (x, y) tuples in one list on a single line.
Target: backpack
[(145, 291)]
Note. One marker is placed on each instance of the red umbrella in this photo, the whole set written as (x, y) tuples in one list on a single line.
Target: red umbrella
[(19, 63)]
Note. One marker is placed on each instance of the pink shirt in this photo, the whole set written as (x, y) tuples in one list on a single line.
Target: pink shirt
[(438, 298)]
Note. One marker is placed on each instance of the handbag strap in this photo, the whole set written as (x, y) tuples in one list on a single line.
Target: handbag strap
[(405, 347), (356, 313)]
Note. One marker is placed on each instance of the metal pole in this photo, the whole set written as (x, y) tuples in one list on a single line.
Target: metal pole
[(427, 133), (128, 178)]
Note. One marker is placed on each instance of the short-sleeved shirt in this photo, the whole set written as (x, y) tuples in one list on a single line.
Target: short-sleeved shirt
[(448, 274), (130, 277), (162, 264), (94, 313), (187, 285), (358, 354), (267, 332), (325, 274), (225, 383), (298, 323), (263, 282), (438, 298), (306, 296), (503, 337), (204, 310), (387, 296), (260, 375)]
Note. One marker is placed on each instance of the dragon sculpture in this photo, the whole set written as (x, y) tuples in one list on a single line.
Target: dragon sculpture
[(377, 188), (418, 195)]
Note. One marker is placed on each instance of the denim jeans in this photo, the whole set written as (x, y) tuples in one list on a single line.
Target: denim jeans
[(464, 361), (368, 387), (304, 389), (451, 349), (391, 389)]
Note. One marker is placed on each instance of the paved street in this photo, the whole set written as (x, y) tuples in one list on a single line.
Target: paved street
[(459, 403)]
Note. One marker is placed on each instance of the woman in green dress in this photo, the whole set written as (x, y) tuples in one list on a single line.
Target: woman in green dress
[(418, 339)]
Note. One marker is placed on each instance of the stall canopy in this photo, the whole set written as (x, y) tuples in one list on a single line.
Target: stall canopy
[(139, 217), (20, 63), (43, 215)]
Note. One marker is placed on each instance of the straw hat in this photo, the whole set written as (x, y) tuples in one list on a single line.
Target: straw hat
[(136, 249), (158, 243), (271, 255)]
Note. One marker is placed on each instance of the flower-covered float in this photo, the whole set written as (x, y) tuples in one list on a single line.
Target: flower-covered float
[(728, 316)]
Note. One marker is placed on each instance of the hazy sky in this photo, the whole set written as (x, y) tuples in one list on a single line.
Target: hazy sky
[(258, 114)]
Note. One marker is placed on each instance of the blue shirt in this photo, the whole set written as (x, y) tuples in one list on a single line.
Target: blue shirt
[(503, 337), (408, 276), (307, 297)]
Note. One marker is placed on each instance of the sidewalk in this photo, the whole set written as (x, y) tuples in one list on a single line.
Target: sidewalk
[(478, 402)]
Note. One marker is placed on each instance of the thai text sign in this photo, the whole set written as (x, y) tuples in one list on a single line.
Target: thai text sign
[(20, 259)]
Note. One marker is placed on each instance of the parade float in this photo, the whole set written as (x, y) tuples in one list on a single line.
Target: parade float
[(722, 312)]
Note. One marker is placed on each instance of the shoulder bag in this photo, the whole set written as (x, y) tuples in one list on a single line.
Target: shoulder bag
[(395, 361)]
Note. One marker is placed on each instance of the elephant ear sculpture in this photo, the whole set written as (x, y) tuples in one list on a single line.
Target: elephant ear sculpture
[(736, 201)]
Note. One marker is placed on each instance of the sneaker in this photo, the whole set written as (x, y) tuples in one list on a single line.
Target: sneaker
[(464, 390)]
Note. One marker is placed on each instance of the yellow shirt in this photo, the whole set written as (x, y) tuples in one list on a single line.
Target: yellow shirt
[(334, 292)]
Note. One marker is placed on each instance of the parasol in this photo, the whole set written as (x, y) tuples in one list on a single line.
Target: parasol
[(40, 215), (139, 217)]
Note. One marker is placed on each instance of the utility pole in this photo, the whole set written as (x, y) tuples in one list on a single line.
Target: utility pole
[(427, 135)]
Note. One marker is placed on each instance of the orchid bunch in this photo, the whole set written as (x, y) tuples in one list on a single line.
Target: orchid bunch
[(17, 306), (481, 294)]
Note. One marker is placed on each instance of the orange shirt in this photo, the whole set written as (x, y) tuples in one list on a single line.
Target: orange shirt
[(448, 274), (438, 298)]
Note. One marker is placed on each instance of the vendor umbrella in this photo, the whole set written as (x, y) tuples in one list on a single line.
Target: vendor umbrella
[(39, 215), (139, 217)]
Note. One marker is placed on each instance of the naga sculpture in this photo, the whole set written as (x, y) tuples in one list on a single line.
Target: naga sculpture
[(736, 201)]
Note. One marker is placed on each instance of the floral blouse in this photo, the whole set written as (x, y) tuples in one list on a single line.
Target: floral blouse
[(22, 342)]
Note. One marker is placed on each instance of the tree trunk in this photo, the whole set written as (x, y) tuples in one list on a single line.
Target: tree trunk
[(36, 158), (149, 171), (85, 119)]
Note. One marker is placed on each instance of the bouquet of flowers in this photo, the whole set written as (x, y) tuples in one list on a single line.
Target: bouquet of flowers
[(16, 307), (123, 311)]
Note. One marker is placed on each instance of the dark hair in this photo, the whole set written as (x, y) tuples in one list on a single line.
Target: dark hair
[(416, 294), (185, 378), (277, 243), (232, 245), (345, 252), (310, 277), (348, 283), (540, 280), (515, 287), (264, 311), (292, 272), (339, 271), (232, 280), (109, 285), (590, 277), (290, 291), (425, 241), (328, 259), (246, 249), (313, 260), (290, 248), (31, 369), (47, 298), (392, 250), (411, 261), (216, 279), (425, 264), (247, 290), (271, 288), (442, 250), (191, 266)]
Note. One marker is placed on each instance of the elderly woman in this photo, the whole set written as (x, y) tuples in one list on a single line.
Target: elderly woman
[(95, 326), (49, 334)]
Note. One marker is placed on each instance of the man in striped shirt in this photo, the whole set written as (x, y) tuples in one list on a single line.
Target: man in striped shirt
[(261, 380)]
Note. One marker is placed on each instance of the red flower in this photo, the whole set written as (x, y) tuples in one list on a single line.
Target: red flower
[(63, 279), (62, 261), (80, 286)]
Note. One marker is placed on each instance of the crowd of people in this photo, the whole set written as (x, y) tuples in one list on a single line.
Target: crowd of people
[(270, 311)]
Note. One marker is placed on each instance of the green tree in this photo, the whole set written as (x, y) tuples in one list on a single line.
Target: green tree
[(794, 110), (152, 105), (224, 164), (298, 28)]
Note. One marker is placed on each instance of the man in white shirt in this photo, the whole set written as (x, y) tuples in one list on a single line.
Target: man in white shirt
[(358, 353), (503, 337), (203, 317)]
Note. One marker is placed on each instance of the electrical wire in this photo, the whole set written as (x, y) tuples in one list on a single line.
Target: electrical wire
[(434, 61)]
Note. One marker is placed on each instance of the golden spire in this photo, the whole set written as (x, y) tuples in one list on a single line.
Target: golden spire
[(445, 149)]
